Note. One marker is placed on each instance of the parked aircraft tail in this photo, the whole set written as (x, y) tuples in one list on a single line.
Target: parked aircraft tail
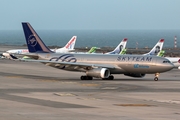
[(70, 45), (119, 48), (92, 50), (123, 51), (161, 53), (157, 48), (34, 42)]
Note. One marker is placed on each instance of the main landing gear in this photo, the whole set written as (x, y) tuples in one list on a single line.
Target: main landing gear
[(86, 78), (156, 77), (111, 77)]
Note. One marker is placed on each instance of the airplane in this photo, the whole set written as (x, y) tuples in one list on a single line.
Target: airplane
[(67, 48), (94, 65)]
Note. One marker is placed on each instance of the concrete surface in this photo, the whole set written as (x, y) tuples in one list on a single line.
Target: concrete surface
[(33, 91)]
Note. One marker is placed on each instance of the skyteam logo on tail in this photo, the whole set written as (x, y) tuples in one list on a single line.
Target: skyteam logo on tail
[(32, 40)]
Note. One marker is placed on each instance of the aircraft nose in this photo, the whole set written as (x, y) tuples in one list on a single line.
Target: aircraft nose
[(169, 66)]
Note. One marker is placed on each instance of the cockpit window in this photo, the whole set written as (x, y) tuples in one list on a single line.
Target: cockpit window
[(166, 61)]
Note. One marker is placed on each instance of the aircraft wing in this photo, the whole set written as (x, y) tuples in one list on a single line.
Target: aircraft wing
[(76, 65)]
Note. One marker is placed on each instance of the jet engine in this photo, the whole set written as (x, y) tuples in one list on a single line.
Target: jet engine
[(98, 72), (135, 74)]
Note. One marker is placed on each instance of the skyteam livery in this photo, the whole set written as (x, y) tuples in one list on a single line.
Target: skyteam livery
[(94, 65)]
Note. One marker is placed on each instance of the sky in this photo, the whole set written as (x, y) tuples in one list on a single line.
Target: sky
[(90, 14)]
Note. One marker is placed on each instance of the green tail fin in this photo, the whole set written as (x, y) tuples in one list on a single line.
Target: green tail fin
[(92, 50), (161, 53), (123, 52)]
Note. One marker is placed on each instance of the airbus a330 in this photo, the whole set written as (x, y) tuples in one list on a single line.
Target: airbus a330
[(94, 65)]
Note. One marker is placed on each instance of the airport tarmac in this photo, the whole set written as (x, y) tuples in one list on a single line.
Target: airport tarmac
[(33, 91)]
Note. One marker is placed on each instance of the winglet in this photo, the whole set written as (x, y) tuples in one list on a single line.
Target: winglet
[(34, 42)]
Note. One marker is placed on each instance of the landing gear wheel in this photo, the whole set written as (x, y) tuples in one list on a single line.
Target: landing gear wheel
[(82, 77), (86, 78), (111, 77), (156, 79)]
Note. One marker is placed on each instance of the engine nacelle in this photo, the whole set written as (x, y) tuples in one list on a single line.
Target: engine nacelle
[(98, 72), (135, 74)]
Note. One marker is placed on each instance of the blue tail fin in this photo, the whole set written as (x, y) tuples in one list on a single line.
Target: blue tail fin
[(34, 42)]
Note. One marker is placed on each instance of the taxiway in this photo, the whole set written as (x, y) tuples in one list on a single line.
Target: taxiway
[(33, 91)]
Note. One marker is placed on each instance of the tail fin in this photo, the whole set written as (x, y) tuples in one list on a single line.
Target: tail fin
[(92, 50), (161, 53), (34, 42), (70, 45), (123, 52), (157, 48), (119, 48)]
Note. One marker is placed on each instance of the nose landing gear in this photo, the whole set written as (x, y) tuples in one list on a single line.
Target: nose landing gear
[(156, 77)]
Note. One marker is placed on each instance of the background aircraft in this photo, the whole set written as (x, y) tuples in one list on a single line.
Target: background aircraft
[(175, 61), (94, 65), (157, 48), (120, 49), (67, 48)]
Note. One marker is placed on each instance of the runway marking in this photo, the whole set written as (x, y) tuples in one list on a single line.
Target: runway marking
[(168, 101), (65, 94), (48, 80), (41, 102), (89, 98), (134, 105), (90, 85), (68, 82), (109, 88)]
